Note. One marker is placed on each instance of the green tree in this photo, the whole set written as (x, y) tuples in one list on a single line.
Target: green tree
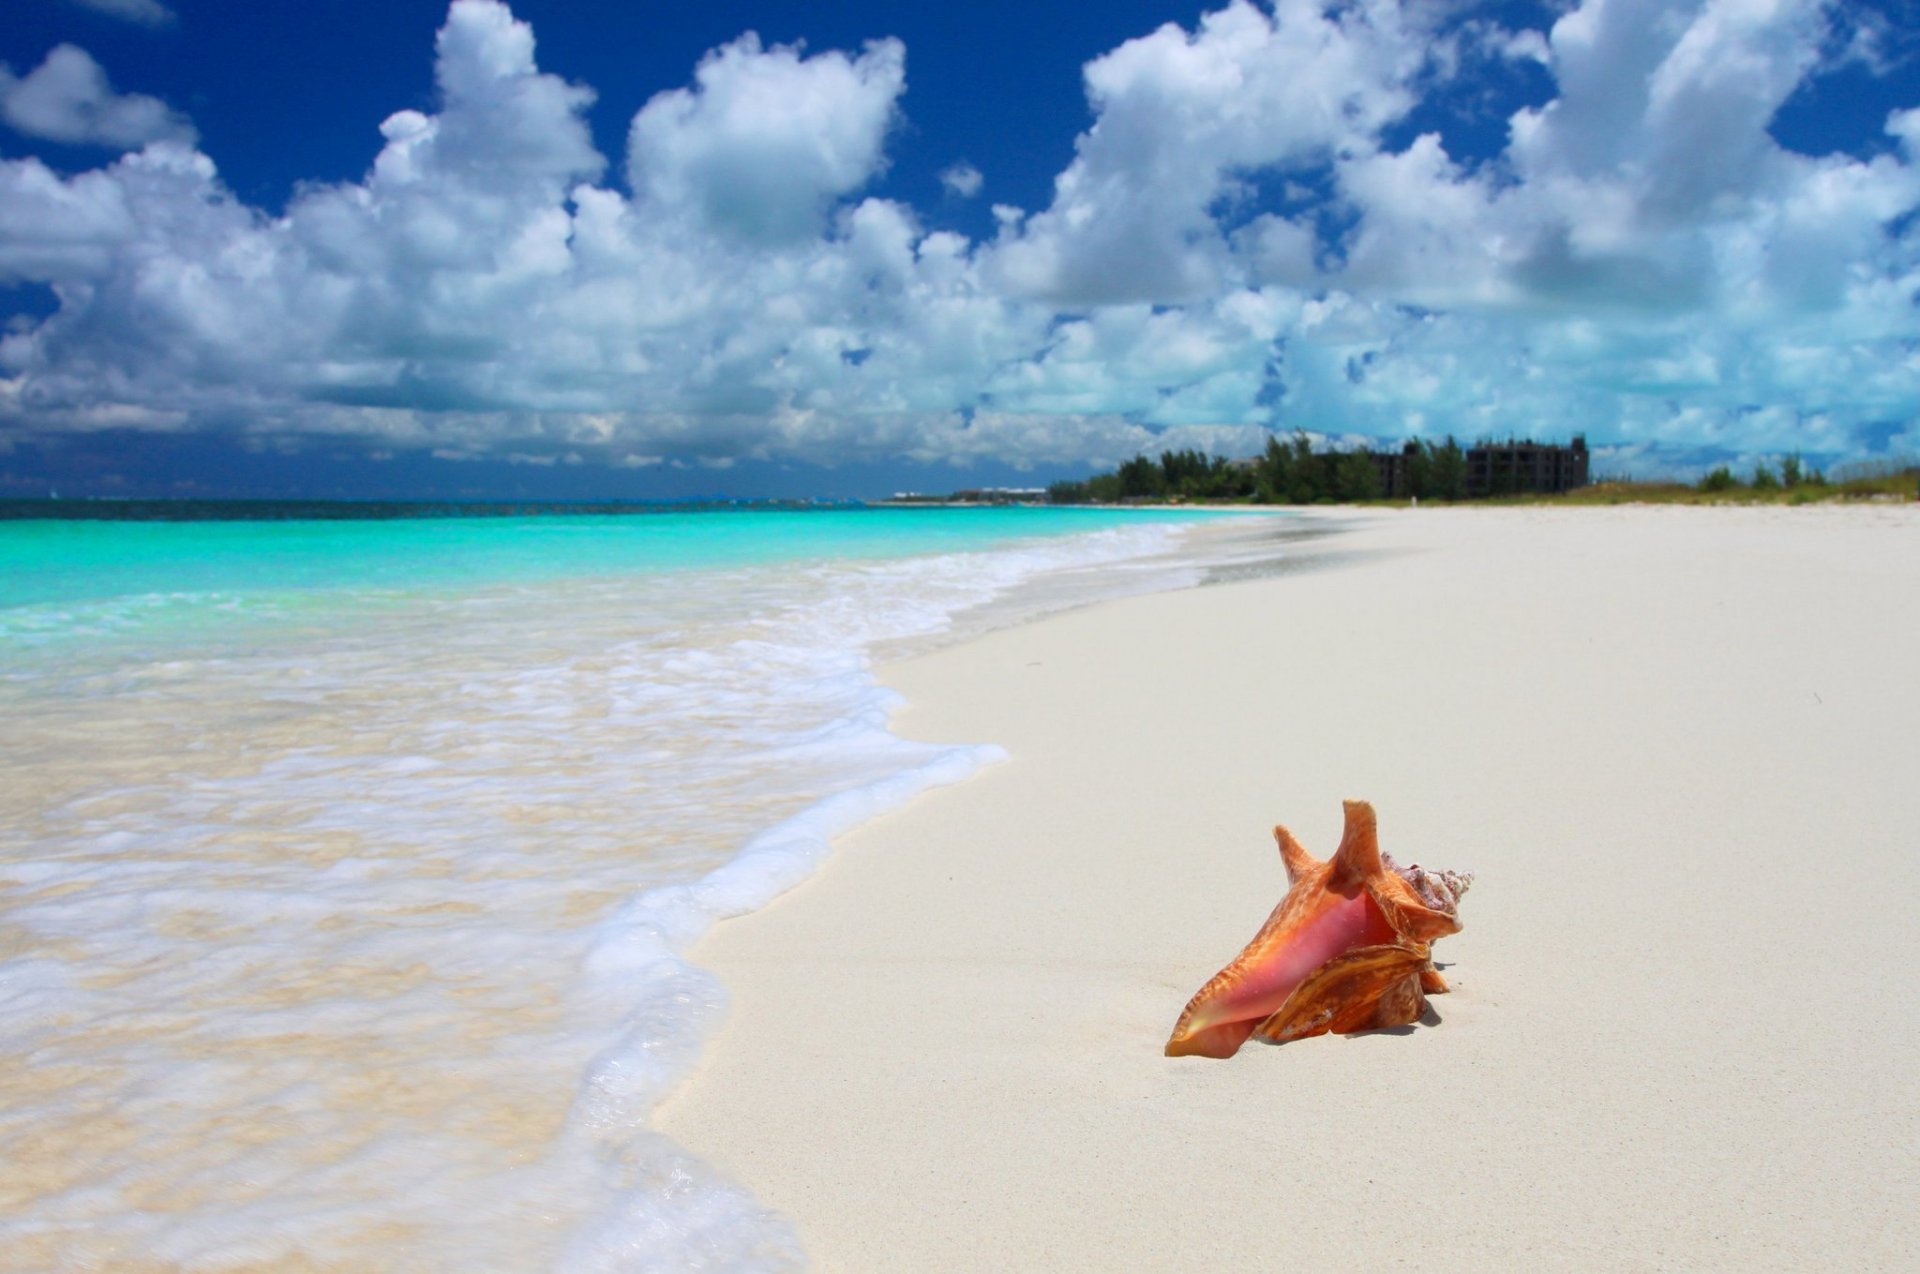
[(1790, 473), (1764, 479), (1420, 470), (1719, 479), (1142, 479), (1447, 470), (1275, 471), (1354, 476), (1185, 472), (1231, 480), (1312, 475)]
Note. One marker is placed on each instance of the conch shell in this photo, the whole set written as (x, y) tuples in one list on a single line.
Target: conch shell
[(1346, 950)]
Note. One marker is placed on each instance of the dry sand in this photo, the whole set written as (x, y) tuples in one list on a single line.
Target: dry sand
[(1681, 747)]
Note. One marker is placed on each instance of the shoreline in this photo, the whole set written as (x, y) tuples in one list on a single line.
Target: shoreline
[(1676, 745)]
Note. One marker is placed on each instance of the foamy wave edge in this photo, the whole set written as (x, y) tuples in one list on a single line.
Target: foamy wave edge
[(671, 1211), (643, 943)]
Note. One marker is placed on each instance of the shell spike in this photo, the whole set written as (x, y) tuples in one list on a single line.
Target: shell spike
[(1293, 855), (1358, 857)]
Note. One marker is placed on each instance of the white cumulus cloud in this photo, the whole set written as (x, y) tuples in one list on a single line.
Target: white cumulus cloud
[(150, 13), (1178, 116), (962, 179), (767, 139), (67, 99)]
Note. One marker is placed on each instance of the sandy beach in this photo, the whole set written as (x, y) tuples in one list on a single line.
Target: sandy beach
[(1680, 748)]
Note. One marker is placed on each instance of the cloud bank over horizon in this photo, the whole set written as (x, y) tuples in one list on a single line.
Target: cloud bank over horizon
[(1258, 231)]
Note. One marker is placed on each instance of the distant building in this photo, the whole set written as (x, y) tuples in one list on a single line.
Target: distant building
[(974, 495), (999, 495), (1504, 468)]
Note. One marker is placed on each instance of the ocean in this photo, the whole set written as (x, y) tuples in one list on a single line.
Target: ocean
[(348, 863)]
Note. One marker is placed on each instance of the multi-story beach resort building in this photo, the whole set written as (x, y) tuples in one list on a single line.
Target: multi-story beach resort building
[(1498, 468)]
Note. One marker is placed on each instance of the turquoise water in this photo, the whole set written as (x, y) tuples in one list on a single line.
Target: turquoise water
[(346, 867), (46, 562), (89, 588)]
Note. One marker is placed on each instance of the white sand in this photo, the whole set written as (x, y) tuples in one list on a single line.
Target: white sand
[(1681, 747)]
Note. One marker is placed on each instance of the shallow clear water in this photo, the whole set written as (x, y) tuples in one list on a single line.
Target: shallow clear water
[(345, 867)]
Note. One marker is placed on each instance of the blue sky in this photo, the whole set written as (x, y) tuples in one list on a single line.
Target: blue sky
[(563, 249)]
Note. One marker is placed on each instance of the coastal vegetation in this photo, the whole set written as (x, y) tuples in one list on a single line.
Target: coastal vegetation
[(1287, 472), (1290, 471), (1791, 481)]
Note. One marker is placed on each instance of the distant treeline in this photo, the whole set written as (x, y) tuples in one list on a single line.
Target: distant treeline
[(1790, 475), (1287, 472), (1290, 472)]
